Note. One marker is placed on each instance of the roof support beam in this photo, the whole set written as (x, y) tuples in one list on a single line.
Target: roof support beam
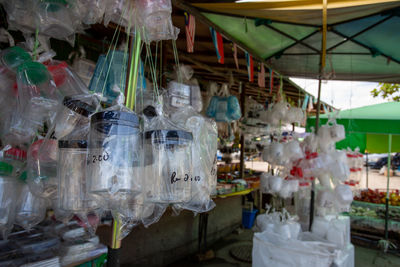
[(300, 41), (359, 33), (365, 46)]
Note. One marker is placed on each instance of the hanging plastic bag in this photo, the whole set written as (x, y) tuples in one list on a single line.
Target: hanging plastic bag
[(37, 96), (204, 152), (110, 75), (58, 19), (168, 162), (73, 115), (118, 11), (224, 108), (42, 169), (21, 15), (294, 115), (67, 81), (183, 91), (91, 11), (114, 172), (9, 190), (293, 151), (30, 210), (71, 173), (344, 197), (154, 20)]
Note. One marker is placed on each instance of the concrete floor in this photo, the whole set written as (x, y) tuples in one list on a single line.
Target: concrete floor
[(364, 257)]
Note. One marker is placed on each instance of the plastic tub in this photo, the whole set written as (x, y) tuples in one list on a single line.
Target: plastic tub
[(248, 218)]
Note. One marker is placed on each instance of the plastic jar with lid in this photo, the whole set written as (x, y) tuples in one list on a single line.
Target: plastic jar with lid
[(73, 112), (71, 173), (168, 160), (114, 157)]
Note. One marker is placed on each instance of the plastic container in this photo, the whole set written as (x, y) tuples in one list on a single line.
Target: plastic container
[(20, 15), (42, 169), (92, 11), (30, 209), (9, 191), (67, 81), (73, 114), (71, 174), (248, 217), (57, 18), (37, 94), (155, 17), (109, 76), (114, 162), (14, 56), (168, 156)]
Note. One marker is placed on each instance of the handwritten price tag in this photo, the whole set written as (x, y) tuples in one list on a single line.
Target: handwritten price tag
[(186, 178)]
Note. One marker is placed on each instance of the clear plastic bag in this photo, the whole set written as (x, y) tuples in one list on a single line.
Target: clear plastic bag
[(13, 57), (42, 169), (57, 19), (118, 11), (67, 81), (37, 94), (109, 75), (183, 91), (21, 15), (293, 151), (71, 172), (73, 115), (114, 171), (154, 17), (9, 190), (91, 11), (204, 152), (294, 115), (30, 210), (168, 162)]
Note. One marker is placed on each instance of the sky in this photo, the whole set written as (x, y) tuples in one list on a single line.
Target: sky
[(342, 94)]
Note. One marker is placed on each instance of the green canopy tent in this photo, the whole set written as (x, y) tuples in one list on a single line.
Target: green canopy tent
[(374, 128), (361, 39), (367, 127)]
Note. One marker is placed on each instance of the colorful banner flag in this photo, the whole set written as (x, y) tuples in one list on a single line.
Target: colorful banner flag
[(305, 102), (218, 44), (190, 30), (325, 109), (250, 67), (261, 76), (310, 104), (235, 55), (271, 81)]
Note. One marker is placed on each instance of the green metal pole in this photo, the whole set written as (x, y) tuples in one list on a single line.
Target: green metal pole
[(387, 188)]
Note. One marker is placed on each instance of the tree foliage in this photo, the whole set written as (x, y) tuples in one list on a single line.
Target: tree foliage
[(390, 91)]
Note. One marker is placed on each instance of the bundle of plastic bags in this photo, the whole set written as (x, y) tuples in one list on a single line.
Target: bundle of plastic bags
[(224, 107)]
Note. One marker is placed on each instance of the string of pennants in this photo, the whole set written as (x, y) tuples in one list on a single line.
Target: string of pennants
[(217, 39)]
